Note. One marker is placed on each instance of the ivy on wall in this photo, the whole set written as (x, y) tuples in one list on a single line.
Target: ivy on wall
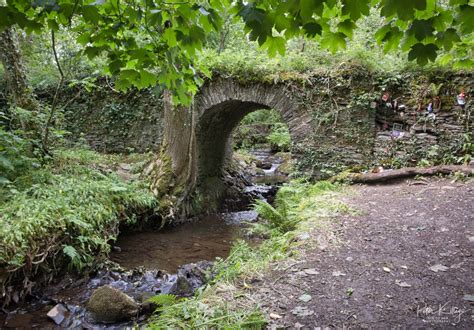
[(112, 121)]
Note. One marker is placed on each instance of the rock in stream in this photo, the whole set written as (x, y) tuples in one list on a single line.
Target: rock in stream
[(109, 305)]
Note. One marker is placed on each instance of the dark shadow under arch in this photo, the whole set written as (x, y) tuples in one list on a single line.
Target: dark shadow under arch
[(214, 135)]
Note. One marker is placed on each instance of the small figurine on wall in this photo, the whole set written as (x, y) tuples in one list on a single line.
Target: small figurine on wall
[(386, 99), (429, 108), (461, 99)]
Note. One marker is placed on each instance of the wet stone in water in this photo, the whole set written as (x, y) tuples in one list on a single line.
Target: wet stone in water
[(58, 313), (109, 305)]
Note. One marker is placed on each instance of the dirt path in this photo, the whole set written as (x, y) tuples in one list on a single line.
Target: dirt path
[(405, 262)]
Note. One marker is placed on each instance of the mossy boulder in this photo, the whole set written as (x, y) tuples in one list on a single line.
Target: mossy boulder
[(109, 305)]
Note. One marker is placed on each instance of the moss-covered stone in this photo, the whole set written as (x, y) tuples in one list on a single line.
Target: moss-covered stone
[(109, 305)]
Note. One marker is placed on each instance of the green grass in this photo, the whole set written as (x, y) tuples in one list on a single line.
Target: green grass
[(65, 212), (224, 302), (204, 312)]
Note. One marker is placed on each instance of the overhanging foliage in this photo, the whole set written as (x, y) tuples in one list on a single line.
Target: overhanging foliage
[(150, 42)]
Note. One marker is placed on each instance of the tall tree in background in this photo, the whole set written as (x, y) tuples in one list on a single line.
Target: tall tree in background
[(19, 91)]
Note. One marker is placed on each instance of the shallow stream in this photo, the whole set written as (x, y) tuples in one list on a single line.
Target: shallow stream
[(152, 261), (210, 237)]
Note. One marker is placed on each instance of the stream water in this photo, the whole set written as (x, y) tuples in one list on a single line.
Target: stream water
[(210, 237), (152, 262)]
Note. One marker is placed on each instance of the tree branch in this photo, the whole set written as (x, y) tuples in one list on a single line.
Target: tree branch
[(45, 139), (56, 59)]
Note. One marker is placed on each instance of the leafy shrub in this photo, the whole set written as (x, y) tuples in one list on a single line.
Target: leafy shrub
[(467, 149), (289, 202), (274, 218), (261, 117), (263, 127), (65, 213), (279, 138), (163, 300), (278, 219), (14, 159)]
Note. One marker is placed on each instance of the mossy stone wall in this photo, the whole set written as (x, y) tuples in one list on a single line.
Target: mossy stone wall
[(408, 135), (114, 122)]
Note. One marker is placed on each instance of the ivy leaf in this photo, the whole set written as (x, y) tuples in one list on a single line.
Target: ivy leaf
[(310, 7), (405, 9), (392, 39), (421, 29), (448, 38), (333, 41), (423, 53), (274, 45), (312, 29), (355, 8), (147, 79), (92, 52), (91, 14), (466, 18), (442, 20), (346, 27)]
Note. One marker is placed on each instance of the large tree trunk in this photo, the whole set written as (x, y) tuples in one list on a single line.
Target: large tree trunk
[(19, 91), (172, 172)]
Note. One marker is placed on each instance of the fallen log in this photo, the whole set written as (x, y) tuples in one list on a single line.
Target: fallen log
[(408, 172)]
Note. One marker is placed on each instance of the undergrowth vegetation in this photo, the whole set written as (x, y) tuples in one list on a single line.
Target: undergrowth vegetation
[(65, 212), (263, 128), (15, 157), (301, 207)]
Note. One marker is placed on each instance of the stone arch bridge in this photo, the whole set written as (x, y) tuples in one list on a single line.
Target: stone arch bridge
[(329, 114), (198, 140)]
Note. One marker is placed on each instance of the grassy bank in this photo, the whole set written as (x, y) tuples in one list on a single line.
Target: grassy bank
[(63, 213), (300, 208)]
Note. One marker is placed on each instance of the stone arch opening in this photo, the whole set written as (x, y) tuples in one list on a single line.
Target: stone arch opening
[(219, 108), (214, 137), (263, 129), (198, 140)]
